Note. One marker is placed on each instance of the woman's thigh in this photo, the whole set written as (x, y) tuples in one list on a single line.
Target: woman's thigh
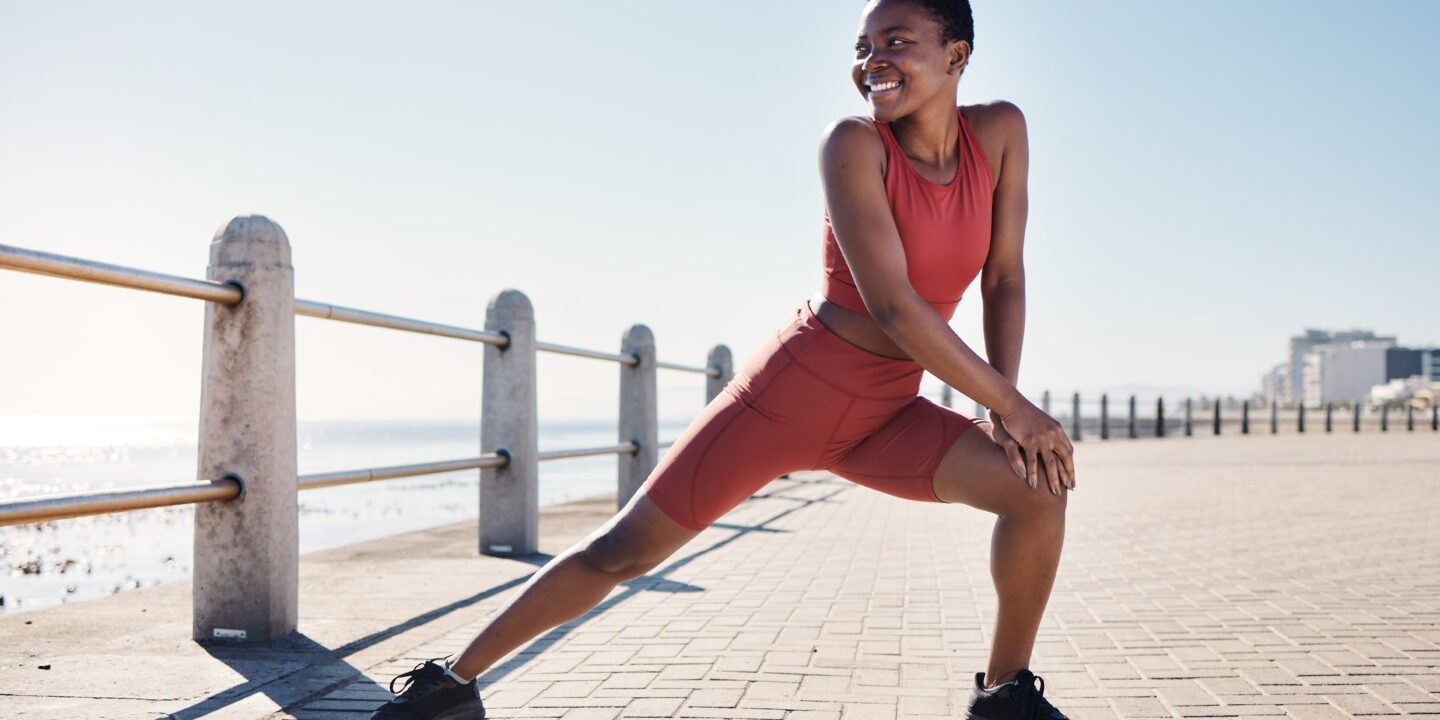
[(975, 471)]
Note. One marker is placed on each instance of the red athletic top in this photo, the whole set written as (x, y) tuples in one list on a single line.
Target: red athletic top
[(945, 229)]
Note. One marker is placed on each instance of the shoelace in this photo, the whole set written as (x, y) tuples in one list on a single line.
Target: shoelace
[(413, 678), (1032, 699)]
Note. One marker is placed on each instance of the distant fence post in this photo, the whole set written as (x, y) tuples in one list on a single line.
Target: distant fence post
[(1132, 433), (1160, 417), (1216, 421), (509, 423), (1409, 417), (1104, 416), (1188, 429), (1045, 402), (947, 396), (1329, 411), (1245, 417), (1435, 416), (1274, 416), (638, 413), (1075, 417), (1300, 419), (1385, 417), (720, 359), (1357, 416), (247, 562)]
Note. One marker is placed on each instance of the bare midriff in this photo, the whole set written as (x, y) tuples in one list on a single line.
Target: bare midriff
[(857, 329)]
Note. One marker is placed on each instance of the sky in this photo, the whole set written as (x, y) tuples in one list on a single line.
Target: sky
[(1207, 179)]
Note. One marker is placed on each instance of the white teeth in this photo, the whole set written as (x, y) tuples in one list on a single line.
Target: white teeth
[(884, 86)]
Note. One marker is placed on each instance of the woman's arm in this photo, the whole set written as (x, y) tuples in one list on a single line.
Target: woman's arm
[(851, 161), (1002, 283)]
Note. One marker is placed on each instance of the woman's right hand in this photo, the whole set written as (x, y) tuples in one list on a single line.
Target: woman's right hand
[(1043, 447)]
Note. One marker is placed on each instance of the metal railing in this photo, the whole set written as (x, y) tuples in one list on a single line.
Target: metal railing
[(247, 422), (1186, 416)]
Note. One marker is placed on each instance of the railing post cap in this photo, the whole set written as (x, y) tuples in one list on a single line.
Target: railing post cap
[(511, 302), (640, 332), (250, 239)]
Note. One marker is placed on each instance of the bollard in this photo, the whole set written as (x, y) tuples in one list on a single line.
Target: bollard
[(247, 562), (1045, 403), (1245, 417), (1300, 419), (1188, 429), (1357, 416), (720, 359), (1409, 417), (1133, 432), (1385, 417), (947, 396), (509, 424), (1104, 416), (980, 413), (1435, 417), (1274, 416), (1075, 417), (638, 413), (1329, 410), (1216, 422), (1160, 417)]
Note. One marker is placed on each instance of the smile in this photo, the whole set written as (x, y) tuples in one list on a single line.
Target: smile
[(882, 88)]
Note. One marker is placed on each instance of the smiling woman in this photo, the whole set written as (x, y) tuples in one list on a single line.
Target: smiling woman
[(921, 197)]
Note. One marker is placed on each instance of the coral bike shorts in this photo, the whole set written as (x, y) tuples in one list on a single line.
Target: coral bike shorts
[(807, 400)]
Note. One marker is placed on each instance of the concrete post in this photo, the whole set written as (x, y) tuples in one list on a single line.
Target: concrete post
[(509, 423), (1075, 417), (1245, 418), (1274, 416), (980, 412), (1160, 417), (638, 413), (1409, 417), (721, 360), (1435, 417), (1216, 421), (1133, 433), (247, 562), (1385, 417), (1357, 416), (1300, 419), (1329, 416), (1189, 428), (947, 395), (1104, 416), (1045, 403)]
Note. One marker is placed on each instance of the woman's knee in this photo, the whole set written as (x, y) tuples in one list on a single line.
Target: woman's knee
[(615, 553)]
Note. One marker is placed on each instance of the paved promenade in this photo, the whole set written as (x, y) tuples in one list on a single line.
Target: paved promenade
[(1295, 576)]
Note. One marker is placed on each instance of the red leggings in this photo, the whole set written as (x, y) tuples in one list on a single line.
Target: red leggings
[(807, 400)]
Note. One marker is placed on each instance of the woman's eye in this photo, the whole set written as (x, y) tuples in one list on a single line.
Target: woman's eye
[(895, 41), (861, 49)]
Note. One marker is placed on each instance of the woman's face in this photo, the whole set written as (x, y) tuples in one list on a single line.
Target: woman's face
[(900, 61)]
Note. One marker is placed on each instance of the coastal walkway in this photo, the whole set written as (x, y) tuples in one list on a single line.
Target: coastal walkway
[(1265, 576)]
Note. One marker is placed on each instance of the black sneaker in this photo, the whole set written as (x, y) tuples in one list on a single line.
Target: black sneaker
[(1020, 699), (430, 693)]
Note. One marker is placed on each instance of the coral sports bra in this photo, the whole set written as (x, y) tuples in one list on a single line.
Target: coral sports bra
[(945, 229)]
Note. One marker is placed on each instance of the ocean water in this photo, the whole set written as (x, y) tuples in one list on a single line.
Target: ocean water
[(67, 560)]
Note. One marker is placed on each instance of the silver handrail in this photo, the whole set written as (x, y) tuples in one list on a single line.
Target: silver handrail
[(71, 505), (323, 311), (351, 477), (43, 263)]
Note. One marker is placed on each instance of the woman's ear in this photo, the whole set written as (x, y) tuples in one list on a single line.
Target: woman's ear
[(959, 56)]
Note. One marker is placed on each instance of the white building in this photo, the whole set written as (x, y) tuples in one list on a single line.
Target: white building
[(1420, 391), (1275, 385), (1301, 345), (1341, 371)]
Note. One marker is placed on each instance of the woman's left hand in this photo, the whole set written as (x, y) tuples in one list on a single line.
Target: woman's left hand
[(1001, 436)]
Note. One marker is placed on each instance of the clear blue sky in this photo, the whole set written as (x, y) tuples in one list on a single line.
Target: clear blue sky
[(1208, 179)]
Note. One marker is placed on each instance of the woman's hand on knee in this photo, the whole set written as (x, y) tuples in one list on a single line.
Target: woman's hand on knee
[(1036, 446)]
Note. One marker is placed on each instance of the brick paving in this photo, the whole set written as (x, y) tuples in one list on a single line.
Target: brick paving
[(1289, 577)]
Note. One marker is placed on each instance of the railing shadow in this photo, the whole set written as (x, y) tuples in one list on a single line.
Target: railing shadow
[(656, 581)]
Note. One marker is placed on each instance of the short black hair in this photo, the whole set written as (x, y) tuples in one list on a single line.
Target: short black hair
[(956, 21)]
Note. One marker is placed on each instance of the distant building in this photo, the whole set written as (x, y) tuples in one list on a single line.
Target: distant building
[(1340, 371), (1417, 390), (1402, 363), (1294, 388), (1275, 385)]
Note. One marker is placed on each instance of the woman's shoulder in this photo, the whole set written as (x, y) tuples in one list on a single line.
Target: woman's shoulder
[(852, 137), (997, 120)]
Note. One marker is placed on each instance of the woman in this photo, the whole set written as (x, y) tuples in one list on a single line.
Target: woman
[(920, 198)]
